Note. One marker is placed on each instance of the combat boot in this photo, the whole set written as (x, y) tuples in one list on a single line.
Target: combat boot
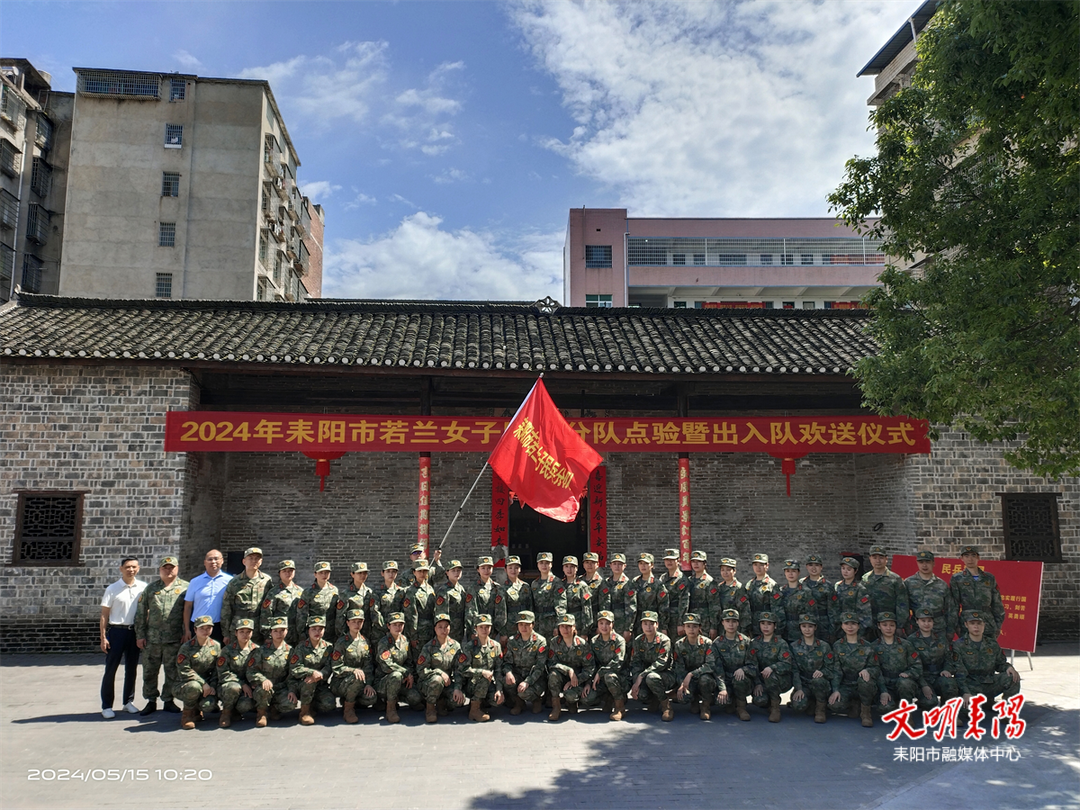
[(706, 708), (537, 706), (571, 707), (275, 713), (187, 719), (442, 706), (867, 716), (695, 706), (605, 701), (260, 718), (431, 714), (653, 705), (518, 707), (620, 709), (740, 708), (306, 719), (391, 712), (476, 713), (774, 709), (819, 712), (853, 708), (556, 709), (668, 715), (350, 712), (226, 718)]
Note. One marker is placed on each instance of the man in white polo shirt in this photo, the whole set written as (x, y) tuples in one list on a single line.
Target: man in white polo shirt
[(118, 642)]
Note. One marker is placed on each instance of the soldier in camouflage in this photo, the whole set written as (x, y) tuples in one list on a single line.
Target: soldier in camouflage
[(280, 601), (901, 668), (885, 588), (480, 670), (245, 594), (926, 590), (677, 585), (419, 606), (647, 590), (236, 695), (389, 601), (196, 665), (579, 596), (310, 668), (760, 589), (318, 600), (437, 669), (159, 628), (352, 667), (359, 596), (609, 685), (826, 611), (485, 598), (813, 674), (937, 681), (976, 589), (771, 658), (794, 602), (651, 667), (517, 595), (436, 572), (268, 675), (617, 597), (397, 672), (703, 596), (856, 675), (450, 598), (979, 663), (548, 597), (732, 595), (852, 597), (595, 581), (735, 670), (694, 670), (525, 665), (571, 666)]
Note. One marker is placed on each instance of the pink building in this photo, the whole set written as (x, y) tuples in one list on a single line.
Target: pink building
[(612, 260)]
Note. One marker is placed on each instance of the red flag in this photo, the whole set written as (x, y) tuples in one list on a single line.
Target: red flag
[(543, 459)]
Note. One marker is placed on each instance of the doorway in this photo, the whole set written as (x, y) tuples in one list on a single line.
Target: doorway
[(532, 533)]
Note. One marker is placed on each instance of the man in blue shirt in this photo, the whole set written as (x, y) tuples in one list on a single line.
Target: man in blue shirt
[(205, 594)]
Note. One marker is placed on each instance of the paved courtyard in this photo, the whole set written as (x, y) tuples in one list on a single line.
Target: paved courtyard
[(49, 723)]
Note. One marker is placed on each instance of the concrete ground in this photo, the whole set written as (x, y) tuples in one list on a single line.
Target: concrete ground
[(49, 722)]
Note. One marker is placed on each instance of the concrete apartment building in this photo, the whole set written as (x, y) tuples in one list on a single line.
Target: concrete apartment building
[(613, 260)]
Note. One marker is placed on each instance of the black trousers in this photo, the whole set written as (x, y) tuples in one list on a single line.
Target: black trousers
[(122, 647)]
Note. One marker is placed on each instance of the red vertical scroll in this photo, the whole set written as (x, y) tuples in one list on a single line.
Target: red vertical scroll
[(598, 513), (685, 546), (423, 520), (500, 520)]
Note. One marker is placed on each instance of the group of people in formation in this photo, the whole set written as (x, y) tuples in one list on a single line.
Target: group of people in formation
[(583, 641)]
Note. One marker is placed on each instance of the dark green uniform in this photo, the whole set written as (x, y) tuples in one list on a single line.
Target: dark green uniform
[(450, 599), (611, 667), (652, 660), (316, 601), (704, 600), (473, 659), (851, 659), (695, 660), (579, 603), (650, 594), (434, 660), (733, 597), (824, 608), (231, 676), (760, 592), (364, 599), (307, 658), (936, 657), (677, 587), (270, 664), (350, 655), (901, 671), (280, 601), (810, 658), (980, 668), (518, 597), (854, 598), (159, 620), (982, 594), (486, 599), (796, 602), (549, 603), (526, 660), (618, 596), (243, 599), (594, 585), (934, 595), (730, 655), (775, 654), (419, 605), (564, 659), (196, 666), (395, 662), (887, 595)]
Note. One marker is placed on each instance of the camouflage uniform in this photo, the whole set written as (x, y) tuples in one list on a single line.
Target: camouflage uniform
[(307, 658), (980, 668), (610, 659), (362, 598), (594, 585), (933, 594), (486, 599), (579, 603), (982, 594), (316, 601), (796, 602), (270, 664), (517, 597), (935, 656), (704, 601), (854, 598), (526, 659), (730, 655), (825, 609), (549, 602), (280, 601), (650, 594), (450, 599), (733, 597), (436, 575), (395, 662), (419, 605), (652, 659), (677, 588), (564, 659), (243, 599), (159, 620), (896, 660), (435, 659), (231, 676), (389, 601), (851, 659), (775, 654), (349, 655), (473, 659), (808, 659), (760, 592), (196, 667), (618, 596), (887, 595), (696, 661)]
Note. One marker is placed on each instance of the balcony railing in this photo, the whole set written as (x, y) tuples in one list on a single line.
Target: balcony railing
[(116, 83), (12, 108), (761, 252)]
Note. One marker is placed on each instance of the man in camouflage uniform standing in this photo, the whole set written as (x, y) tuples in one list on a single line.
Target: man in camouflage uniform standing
[(826, 610), (196, 664), (703, 596), (650, 667), (245, 594), (975, 589), (579, 598), (852, 597), (480, 672), (648, 592), (856, 674), (794, 601), (268, 674), (396, 669), (310, 667), (677, 585), (732, 595), (517, 595), (926, 590), (771, 657), (760, 590), (694, 670), (159, 627), (980, 664), (525, 665), (571, 666), (935, 653), (735, 670), (358, 595), (419, 606), (885, 588), (318, 600), (617, 597), (548, 597), (450, 598), (436, 572), (280, 602), (813, 673), (352, 669), (485, 597), (235, 692), (595, 581), (609, 684), (901, 668), (389, 600), (437, 668)]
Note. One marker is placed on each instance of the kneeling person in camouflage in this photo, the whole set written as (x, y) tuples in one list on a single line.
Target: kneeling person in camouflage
[(397, 675), (980, 664), (937, 682), (236, 694), (437, 668), (694, 672), (481, 671), (650, 667), (352, 671), (609, 684), (268, 674), (310, 667), (855, 677), (772, 660), (812, 675), (571, 666), (196, 665), (525, 665), (735, 670), (901, 668)]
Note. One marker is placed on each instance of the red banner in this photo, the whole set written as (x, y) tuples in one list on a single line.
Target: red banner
[(423, 520), (598, 513), (685, 546), (1020, 583), (232, 431), (500, 520)]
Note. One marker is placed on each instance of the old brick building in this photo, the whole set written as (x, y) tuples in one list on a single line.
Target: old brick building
[(85, 387)]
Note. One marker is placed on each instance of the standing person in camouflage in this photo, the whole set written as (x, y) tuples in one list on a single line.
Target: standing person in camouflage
[(813, 674), (980, 664), (389, 601), (855, 678), (280, 601), (617, 597), (735, 670), (649, 593), (268, 674), (651, 667), (760, 589), (579, 598), (525, 665), (885, 588), (419, 605), (571, 666), (595, 580), (320, 599), (359, 596), (485, 597), (826, 608), (794, 601), (450, 598), (771, 658), (310, 667), (352, 667), (394, 659), (235, 692), (609, 684), (548, 597), (927, 590), (732, 595), (436, 573), (704, 596), (976, 589), (694, 670), (480, 670), (852, 597), (937, 681), (517, 595), (677, 585), (245, 594), (901, 668), (437, 668), (159, 626), (196, 663)]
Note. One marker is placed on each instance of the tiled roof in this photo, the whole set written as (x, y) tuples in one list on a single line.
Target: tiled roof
[(447, 335)]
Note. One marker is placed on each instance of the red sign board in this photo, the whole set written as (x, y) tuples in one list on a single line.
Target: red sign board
[(1020, 584), (233, 431)]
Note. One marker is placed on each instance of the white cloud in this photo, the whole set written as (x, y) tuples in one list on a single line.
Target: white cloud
[(187, 60), (360, 199), (710, 109), (427, 109), (318, 190), (450, 176), (419, 259)]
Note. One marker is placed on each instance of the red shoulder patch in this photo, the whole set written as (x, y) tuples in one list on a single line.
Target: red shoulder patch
[(371, 602), (294, 659), (301, 603), (682, 585), (542, 648), (498, 599), (386, 655), (812, 602), (742, 599), (266, 603), (181, 658), (462, 658), (468, 597), (787, 655), (661, 651), (420, 660), (588, 656), (340, 604), (630, 592), (439, 600), (605, 590), (714, 591), (221, 661), (865, 599), (337, 655), (561, 590), (405, 602), (251, 661)]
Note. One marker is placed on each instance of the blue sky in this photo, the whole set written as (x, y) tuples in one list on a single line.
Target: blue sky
[(447, 140)]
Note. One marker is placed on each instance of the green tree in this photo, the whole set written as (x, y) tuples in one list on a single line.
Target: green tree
[(977, 187)]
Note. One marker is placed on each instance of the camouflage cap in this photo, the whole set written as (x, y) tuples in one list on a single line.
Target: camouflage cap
[(570, 559), (591, 556), (253, 550), (543, 556), (279, 622), (886, 616), (671, 554), (729, 562), (526, 616), (286, 564), (513, 559), (850, 561), (761, 558), (650, 616), (788, 564), (691, 618), (814, 559), (617, 558), (567, 618), (415, 547), (645, 557), (359, 568), (806, 618), (442, 617), (605, 614), (848, 616), (698, 555), (322, 565), (969, 550), (395, 617), (767, 616), (453, 564), (924, 613), (973, 616), (168, 561), (354, 613), (202, 621), (483, 618), (241, 624), (730, 613), (924, 556), (878, 550), (390, 565), (484, 561), (421, 565), (317, 621)]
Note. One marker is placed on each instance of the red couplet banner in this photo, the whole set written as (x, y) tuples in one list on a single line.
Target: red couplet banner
[(1020, 583)]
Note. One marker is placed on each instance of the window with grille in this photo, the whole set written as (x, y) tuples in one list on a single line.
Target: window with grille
[(37, 223), (10, 158), (787, 258), (163, 285), (678, 258), (44, 135), (31, 273), (41, 177), (48, 528), (1030, 522), (12, 108), (601, 301), (807, 258), (7, 267), (174, 136), (177, 89), (598, 255), (118, 83), (261, 293), (699, 258), (170, 184), (167, 234), (9, 210), (766, 258)]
